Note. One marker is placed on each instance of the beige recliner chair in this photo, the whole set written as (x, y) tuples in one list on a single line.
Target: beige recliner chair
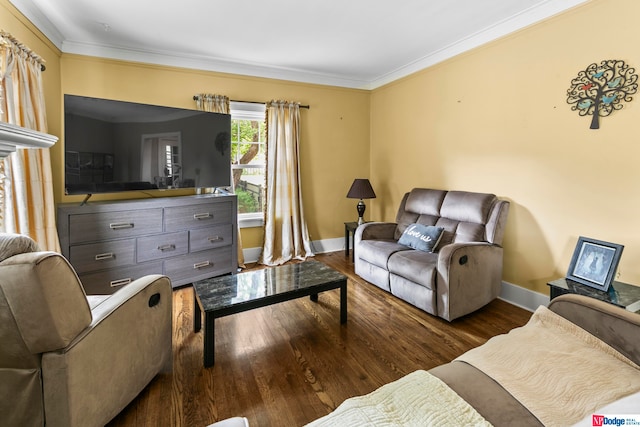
[(71, 360)]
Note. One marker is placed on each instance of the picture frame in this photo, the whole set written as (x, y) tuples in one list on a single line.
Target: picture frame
[(594, 263)]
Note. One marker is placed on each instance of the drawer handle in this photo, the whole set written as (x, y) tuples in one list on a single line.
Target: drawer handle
[(121, 282), (105, 256), (166, 247), (120, 225), (202, 215), (201, 265), (216, 239)]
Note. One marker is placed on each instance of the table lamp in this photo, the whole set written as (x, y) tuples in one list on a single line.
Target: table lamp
[(361, 189)]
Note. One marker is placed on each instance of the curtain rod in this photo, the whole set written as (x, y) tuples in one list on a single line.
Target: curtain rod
[(22, 47), (195, 98)]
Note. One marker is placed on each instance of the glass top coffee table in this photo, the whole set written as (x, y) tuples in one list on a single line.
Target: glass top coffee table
[(225, 295)]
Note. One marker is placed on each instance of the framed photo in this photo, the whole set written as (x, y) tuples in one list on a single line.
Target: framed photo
[(594, 263)]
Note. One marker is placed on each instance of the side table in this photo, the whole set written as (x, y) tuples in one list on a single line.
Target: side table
[(349, 236), (621, 294)]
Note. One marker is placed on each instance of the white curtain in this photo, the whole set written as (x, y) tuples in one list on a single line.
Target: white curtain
[(219, 104), (26, 193), (285, 231)]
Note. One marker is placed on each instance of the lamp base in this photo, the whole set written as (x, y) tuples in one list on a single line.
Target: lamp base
[(361, 207)]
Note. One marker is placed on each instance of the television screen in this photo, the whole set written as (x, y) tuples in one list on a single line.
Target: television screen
[(115, 146)]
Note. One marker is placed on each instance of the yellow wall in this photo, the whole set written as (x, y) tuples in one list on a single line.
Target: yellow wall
[(496, 120)]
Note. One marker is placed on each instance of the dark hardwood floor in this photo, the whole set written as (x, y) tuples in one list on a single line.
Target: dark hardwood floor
[(290, 363)]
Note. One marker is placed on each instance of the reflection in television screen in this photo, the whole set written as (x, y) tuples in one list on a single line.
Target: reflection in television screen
[(113, 146)]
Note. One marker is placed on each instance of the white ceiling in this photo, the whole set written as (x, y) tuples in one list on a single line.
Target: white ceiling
[(350, 43)]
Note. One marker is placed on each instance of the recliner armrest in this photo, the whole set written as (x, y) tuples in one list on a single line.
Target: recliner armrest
[(613, 325), (130, 311), (375, 231), (134, 289), (469, 276)]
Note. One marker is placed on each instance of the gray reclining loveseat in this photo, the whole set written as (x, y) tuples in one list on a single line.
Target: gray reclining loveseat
[(461, 273)]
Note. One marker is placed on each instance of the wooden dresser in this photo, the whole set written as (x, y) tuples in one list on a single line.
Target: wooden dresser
[(187, 238)]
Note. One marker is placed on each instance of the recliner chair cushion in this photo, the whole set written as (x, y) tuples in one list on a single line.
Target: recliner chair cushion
[(14, 244), (464, 206), (425, 201), (377, 252), (418, 266), (53, 309)]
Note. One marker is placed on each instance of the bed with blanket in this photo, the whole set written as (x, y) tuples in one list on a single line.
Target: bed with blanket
[(576, 358)]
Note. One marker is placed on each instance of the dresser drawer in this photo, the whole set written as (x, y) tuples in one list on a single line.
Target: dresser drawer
[(103, 255), (107, 282), (197, 216), (93, 227), (198, 265), (188, 238), (162, 246), (210, 237)]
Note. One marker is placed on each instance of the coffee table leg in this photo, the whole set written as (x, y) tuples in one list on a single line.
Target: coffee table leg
[(343, 303), (314, 297), (197, 314), (209, 338)]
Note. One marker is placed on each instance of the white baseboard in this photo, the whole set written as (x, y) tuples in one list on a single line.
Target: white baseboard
[(514, 294), (317, 246), (251, 254), (522, 297), (328, 245)]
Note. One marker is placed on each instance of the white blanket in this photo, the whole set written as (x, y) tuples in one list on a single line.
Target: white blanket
[(557, 370), (417, 399)]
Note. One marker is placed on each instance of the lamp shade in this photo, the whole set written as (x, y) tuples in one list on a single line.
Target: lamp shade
[(361, 189)]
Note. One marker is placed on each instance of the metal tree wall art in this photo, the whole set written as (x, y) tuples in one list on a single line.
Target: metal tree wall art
[(601, 89)]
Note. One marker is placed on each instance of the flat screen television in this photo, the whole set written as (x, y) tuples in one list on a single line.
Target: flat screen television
[(113, 146)]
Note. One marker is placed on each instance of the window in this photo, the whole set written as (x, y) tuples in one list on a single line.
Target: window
[(248, 160)]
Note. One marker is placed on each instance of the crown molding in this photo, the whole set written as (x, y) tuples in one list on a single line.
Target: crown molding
[(40, 20), (535, 14), (199, 62), (515, 23)]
